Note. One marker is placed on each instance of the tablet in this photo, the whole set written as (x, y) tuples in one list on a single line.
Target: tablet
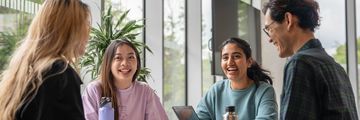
[(185, 113)]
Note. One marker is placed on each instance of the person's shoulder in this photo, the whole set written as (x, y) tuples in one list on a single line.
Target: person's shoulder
[(221, 82), (142, 86), (58, 70), (58, 66), (315, 55), (265, 87), (219, 85), (263, 84), (144, 89), (301, 57), (312, 60), (94, 86)]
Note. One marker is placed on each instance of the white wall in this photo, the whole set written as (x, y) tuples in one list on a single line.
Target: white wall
[(95, 9), (154, 39), (271, 61)]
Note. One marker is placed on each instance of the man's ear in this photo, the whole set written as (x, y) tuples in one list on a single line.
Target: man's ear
[(289, 20)]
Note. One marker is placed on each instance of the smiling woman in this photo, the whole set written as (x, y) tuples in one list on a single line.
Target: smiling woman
[(119, 70), (247, 86)]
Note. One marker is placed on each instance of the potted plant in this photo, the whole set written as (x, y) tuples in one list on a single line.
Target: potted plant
[(102, 36)]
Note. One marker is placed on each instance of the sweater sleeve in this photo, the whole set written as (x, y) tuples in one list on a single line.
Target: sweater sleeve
[(154, 109), (267, 107), (204, 109), (91, 101)]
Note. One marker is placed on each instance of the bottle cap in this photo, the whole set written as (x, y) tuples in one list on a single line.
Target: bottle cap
[(104, 101), (230, 109)]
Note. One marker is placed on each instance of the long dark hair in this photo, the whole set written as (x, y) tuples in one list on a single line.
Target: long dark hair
[(255, 72), (107, 78)]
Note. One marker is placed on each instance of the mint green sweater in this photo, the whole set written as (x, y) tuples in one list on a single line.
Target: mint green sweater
[(250, 104)]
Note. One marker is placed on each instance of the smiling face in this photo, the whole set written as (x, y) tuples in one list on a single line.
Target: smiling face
[(124, 64), (279, 36), (234, 62)]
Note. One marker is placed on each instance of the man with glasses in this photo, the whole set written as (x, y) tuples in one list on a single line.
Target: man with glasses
[(315, 87)]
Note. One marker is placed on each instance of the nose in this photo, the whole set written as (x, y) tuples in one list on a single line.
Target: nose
[(124, 63), (231, 61)]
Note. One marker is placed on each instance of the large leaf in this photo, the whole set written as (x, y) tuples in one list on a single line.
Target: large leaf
[(102, 36)]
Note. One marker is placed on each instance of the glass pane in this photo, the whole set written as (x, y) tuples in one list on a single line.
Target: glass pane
[(207, 78), (136, 13), (243, 19), (358, 44), (14, 22), (247, 1), (120, 6), (36, 1), (332, 29), (174, 55)]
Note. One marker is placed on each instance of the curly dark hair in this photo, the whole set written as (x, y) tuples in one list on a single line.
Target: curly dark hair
[(305, 10)]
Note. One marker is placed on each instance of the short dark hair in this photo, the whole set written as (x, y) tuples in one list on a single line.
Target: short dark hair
[(305, 10)]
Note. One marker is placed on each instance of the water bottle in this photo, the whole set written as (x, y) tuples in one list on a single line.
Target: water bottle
[(230, 113), (106, 111)]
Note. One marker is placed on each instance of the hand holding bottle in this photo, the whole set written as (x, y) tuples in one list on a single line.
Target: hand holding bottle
[(106, 111), (230, 113)]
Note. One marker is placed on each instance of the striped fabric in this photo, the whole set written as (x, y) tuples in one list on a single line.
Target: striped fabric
[(316, 87)]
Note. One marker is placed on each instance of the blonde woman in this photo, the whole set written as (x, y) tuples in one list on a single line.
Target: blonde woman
[(40, 82)]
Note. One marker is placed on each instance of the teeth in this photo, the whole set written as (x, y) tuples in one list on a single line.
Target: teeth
[(232, 69), (125, 70)]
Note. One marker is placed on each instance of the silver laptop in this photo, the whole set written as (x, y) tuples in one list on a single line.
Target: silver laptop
[(185, 113)]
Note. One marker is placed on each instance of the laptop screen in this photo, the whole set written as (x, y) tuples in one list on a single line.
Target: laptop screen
[(185, 113)]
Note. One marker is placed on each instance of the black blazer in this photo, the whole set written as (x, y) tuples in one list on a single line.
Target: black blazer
[(58, 98)]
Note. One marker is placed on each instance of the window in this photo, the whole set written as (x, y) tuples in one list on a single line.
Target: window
[(207, 78), (358, 45), (120, 6), (15, 18), (136, 12), (174, 55), (332, 31)]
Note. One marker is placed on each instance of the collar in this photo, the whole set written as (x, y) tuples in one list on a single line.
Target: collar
[(313, 43)]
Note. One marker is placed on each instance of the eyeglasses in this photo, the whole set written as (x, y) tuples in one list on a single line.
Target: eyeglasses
[(266, 28)]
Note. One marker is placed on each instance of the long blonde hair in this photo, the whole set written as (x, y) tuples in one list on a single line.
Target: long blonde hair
[(55, 33)]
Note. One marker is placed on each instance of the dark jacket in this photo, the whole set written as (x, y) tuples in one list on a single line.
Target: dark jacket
[(58, 98)]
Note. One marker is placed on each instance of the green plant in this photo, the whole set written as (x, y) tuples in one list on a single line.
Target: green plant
[(102, 36), (10, 37), (8, 41)]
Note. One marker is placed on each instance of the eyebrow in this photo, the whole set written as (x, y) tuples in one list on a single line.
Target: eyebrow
[(233, 53), (128, 53)]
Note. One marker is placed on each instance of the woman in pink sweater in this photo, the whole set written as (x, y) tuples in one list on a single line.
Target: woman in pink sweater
[(131, 99)]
